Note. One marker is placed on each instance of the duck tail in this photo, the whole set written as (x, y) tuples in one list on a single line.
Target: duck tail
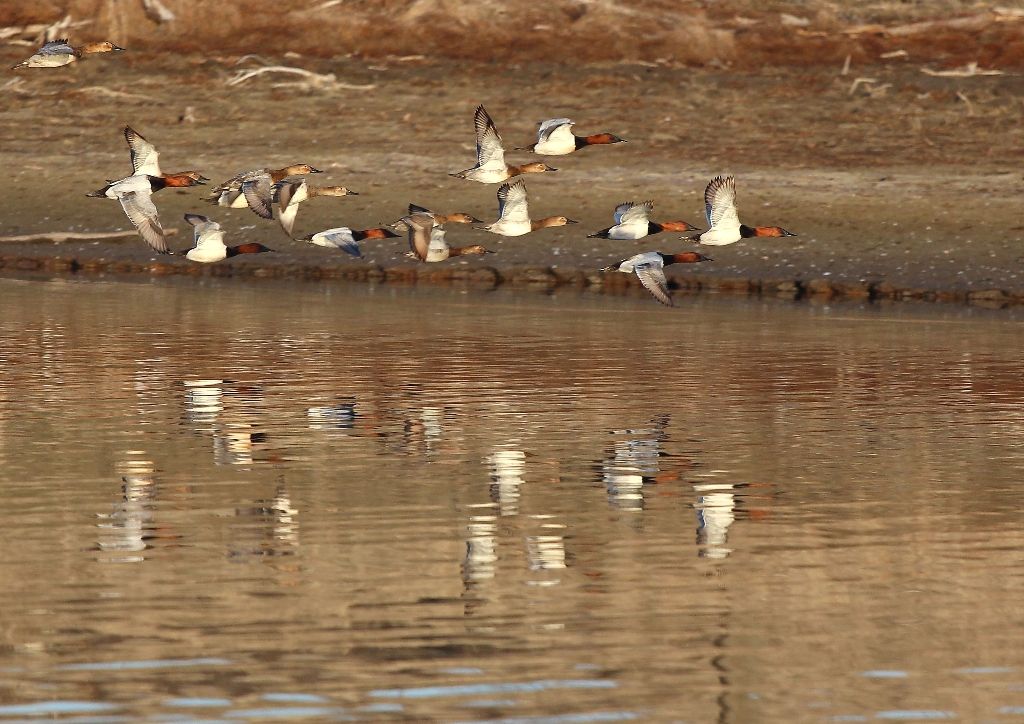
[(22, 64), (460, 174), (602, 234)]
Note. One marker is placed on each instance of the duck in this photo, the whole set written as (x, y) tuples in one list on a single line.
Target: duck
[(514, 213), (555, 138), (632, 222), (458, 217), (348, 239), (649, 268), (426, 241), (56, 53), (209, 242), (289, 194), (136, 196), (490, 155), (146, 161), (254, 188), (724, 225)]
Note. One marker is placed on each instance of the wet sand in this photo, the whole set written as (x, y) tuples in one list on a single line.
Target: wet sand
[(910, 192)]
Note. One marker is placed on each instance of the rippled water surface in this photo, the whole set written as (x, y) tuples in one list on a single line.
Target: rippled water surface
[(319, 502)]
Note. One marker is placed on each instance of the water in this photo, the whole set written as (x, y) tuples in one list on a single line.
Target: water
[(274, 502)]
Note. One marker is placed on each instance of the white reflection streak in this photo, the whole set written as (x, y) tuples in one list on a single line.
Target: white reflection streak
[(715, 515), (546, 552), (126, 527), (432, 427), (286, 528), (507, 468), (623, 474), (332, 417), (481, 548), (203, 403)]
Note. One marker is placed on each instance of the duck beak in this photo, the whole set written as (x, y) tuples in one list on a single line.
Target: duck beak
[(787, 233), (350, 192), (571, 221), (314, 170), (474, 220), (117, 47)]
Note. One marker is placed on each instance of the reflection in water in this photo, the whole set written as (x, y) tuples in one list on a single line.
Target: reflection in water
[(714, 506), (635, 457), (507, 467), (127, 529), (353, 478)]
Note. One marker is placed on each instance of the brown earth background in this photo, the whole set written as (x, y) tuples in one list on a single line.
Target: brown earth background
[(899, 182)]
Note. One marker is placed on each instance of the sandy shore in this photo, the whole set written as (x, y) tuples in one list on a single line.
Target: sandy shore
[(908, 191)]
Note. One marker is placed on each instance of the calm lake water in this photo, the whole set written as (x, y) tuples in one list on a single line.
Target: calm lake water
[(227, 502)]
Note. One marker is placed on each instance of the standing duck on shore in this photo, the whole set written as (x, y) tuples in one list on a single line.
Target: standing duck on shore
[(724, 225), (426, 241), (514, 213), (209, 242), (649, 268), (254, 188), (555, 138), (289, 194), (56, 53), (632, 221), (146, 161), (490, 155)]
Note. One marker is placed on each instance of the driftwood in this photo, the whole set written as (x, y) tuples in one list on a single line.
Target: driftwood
[(968, 71), (59, 236), (966, 23), (317, 80)]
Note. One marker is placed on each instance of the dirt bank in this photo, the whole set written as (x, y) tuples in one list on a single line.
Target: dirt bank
[(909, 183)]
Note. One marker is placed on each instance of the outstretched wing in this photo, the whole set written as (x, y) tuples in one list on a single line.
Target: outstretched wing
[(56, 47), (720, 202), (141, 211), (343, 239), (420, 226), (512, 203), (145, 158), (652, 275), (289, 195), (632, 211), (205, 231), (259, 194), (489, 151)]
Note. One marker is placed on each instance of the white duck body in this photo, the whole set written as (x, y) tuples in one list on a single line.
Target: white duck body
[(555, 138)]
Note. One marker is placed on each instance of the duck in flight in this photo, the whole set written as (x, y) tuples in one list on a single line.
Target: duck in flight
[(555, 138), (209, 244), (289, 194), (490, 155), (347, 239), (56, 53), (724, 225), (649, 268), (426, 240), (514, 213), (146, 161), (254, 188), (632, 221)]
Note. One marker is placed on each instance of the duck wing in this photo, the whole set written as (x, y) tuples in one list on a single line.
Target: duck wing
[(549, 127), (145, 158), (720, 202), (204, 231), (513, 206), (259, 194), (289, 195), (652, 275), (141, 211), (420, 238), (632, 212), (56, 47), (489, 151), (343, 239)]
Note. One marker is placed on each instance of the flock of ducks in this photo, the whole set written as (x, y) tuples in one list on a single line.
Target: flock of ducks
[(262, 189)]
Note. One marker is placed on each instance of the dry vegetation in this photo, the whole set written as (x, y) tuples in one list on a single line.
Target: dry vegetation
[(736, 33)]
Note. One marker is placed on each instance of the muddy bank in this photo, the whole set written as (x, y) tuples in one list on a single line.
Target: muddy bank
[(901, 187)]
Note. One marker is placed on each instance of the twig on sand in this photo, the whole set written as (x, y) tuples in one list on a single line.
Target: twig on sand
[(108, 93), (58, 236), (316, 80), (967, 102), (846, 65), (968, 71), (857, 84)]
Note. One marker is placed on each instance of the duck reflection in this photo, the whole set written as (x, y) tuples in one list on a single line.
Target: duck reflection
[(203, 404), (341, 416), (481, 547), (716, 512), (506, 468), (546, 551), (634, 459), (232, 416), (128, 528), (268, 528)]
